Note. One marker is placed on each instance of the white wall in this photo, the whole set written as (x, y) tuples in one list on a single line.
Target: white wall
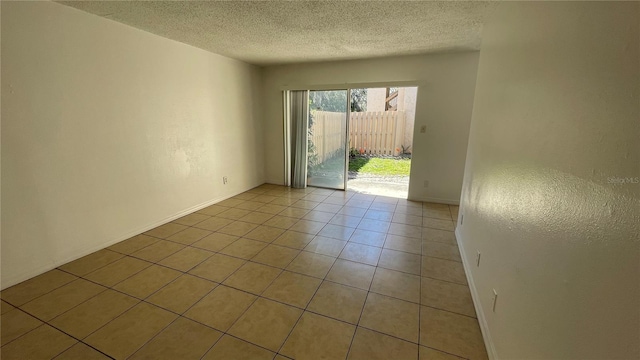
[(555, 123), (408, 104), (376, 98), (108, 130), (444, 105)]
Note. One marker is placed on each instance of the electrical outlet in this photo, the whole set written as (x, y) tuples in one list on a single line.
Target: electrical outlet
[(495, 299), (478, 259), (426, 183), (224, 180)]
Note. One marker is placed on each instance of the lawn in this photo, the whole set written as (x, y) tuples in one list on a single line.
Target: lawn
[(380, 166)]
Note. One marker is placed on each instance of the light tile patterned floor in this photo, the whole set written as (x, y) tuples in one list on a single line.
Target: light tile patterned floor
[(273, 273)]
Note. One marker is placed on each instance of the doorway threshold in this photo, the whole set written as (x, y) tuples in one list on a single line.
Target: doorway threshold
[(397, 187)]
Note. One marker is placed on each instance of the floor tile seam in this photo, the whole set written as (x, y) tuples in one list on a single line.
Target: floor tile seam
[(172, 281), (394, 297), (290, 332), (41, 324), (129, 254), (276, 267), (420, 307), (445, 351), (402, 251), (433, 257), (314, 293), (156, 261), (283, 268), (153, 337), (359, 319), (355, 242), (376, 231), (69, 335), (435, 228), (115, 317), (440, 242), (405, 223), (331, 317), (405, 235), (359, 262), (449, 311), (436, 218), (75, 306), (235, 337), (448, 281), (344, 225), (221, 283), (130, 276), (146, 299), (50, 291), (231, 274), (328, 211), (207, 279), (303, 310), (78, 340), (249, 292), (191, 268), (350, 286), (393, 336), (33, 315), (100, 267), (441, 258), (411, 342)]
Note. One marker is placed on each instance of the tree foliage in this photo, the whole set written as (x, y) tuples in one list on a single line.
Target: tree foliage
[(335, 101), (358, 100)]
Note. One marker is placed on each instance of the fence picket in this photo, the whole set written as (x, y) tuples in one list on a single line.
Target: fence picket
[(376, 133)]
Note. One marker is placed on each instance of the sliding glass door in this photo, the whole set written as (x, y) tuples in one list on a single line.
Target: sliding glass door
[(327, 139)]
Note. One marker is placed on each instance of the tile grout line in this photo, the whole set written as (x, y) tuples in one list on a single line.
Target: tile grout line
[(305, 308), (420, 303), (325, 223), (364, 304)]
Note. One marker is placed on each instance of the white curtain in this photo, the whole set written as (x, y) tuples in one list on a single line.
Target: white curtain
[(299, 103)]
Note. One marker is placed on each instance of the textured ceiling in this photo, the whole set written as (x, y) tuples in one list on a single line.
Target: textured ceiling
[(277, 32)]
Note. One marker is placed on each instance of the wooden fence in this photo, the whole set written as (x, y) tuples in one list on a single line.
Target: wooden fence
[(371, 133), (377, 132), (327, 133)]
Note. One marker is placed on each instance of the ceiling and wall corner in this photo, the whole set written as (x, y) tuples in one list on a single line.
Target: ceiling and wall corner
[(278, 32)]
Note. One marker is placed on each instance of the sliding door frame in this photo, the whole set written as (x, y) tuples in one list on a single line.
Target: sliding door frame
[(286, 109), (330, 87)]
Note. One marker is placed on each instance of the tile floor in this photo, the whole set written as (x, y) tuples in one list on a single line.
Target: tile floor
[(273, 273)]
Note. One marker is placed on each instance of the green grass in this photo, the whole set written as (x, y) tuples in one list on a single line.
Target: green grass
[(380, 166)]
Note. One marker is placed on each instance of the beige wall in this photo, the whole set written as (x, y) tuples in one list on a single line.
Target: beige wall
[(408, 104), (444, 104), (108, 131), (555, 124), (376, 98), (407, 97)]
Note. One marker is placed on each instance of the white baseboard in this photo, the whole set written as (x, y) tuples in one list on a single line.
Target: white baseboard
[(486, 335), (78, 253), (274, 182)]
